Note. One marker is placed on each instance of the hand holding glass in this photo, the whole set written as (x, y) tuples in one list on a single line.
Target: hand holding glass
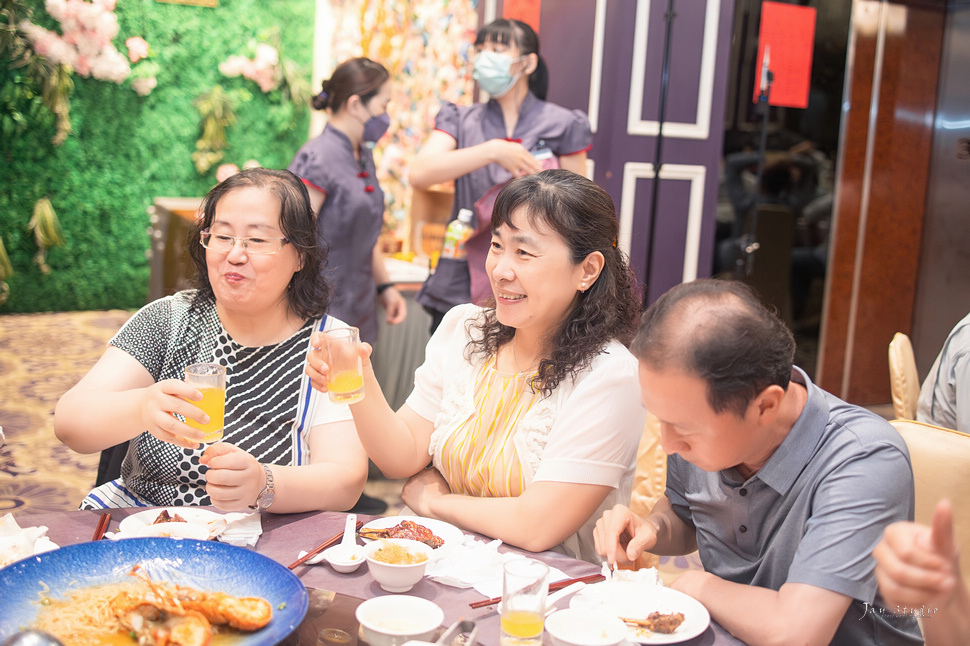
[(210, 380), (346, 384), (525, 584)]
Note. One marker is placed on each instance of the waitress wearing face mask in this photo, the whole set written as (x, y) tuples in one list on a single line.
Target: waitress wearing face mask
[(514, 133), (338, 170)]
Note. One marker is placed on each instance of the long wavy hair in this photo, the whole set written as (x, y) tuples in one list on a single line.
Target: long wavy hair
[(308, 294), (582, 214)]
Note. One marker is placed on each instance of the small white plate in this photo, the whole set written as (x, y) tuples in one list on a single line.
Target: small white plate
[(445, 531), (136, 524), (174, 530), (636, 601)]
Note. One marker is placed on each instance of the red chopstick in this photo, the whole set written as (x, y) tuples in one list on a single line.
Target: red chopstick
[(555, 585), (102, 526), (333, 540)]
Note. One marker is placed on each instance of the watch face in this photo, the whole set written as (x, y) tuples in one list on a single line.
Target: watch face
[(266, 500)]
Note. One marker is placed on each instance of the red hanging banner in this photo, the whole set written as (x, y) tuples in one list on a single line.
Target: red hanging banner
[(788, 37), (525, 10)]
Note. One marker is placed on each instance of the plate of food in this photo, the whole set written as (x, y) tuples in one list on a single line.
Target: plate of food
[(143, 523), (427, 530), (653, 614), (97, 592)]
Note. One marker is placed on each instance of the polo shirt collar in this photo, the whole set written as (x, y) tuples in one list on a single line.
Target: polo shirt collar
[(796, 450)]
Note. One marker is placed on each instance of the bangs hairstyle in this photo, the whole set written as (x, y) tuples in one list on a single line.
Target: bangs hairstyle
[(360, 76), (582, 215), (308, 294), (522, 37), (720, 331)]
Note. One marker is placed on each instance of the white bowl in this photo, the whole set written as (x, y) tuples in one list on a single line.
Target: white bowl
[(394, 620), (344, 558), (577, 627), (397, 578)]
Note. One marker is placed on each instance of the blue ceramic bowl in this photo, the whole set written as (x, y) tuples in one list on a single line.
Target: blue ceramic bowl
[(206, 565)]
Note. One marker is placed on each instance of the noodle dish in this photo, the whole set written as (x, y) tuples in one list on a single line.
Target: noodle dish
[(152, 591)]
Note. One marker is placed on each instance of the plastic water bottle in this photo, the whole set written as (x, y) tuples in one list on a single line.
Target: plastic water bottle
[(457, 234)]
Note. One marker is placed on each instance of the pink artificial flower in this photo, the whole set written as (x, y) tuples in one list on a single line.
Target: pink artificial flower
[(137, 48), (83, 66), (108, 4), (225, 171), (143, 86)]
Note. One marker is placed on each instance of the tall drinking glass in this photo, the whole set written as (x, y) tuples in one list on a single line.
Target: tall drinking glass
[(346, 384), (525, 584), (210, 380)]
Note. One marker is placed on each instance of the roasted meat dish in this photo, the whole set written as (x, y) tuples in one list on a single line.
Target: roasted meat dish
[(658, 623), (405, 529), (165, 517)]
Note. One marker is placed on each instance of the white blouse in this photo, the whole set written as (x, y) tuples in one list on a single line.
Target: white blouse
[(586, 432)]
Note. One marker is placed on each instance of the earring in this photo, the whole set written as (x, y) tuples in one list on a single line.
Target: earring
[(582, 288)]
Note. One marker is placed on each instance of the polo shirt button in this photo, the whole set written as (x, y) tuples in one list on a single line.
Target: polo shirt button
[(743, 491), (743, 528)]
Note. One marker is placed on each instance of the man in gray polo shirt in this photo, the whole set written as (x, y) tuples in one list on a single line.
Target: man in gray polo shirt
[(782, 488)]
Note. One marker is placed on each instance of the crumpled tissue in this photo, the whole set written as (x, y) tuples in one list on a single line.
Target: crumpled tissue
[(475, 564), (242, 529), (18, 542)]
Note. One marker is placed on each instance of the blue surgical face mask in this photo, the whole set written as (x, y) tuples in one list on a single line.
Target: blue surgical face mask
[(492, 72), (375, 127)]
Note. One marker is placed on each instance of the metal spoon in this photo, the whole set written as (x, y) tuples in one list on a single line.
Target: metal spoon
[(32, 638)]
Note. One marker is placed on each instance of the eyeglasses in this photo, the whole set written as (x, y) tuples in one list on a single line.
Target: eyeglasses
[(223, 244)]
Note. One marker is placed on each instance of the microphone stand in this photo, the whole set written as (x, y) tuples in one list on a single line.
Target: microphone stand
[(657, 162), (748, 242)]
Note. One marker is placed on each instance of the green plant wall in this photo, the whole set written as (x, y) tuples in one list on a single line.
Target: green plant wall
[(125, 150)]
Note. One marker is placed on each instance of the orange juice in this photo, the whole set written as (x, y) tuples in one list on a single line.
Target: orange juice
[(214, 404), (346, 387), (521, 624)]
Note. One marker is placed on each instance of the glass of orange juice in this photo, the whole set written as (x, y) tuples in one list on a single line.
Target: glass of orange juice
[(346, 384), (210, 379), (525, 584)]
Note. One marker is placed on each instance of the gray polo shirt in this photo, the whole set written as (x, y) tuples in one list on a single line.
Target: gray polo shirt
[(944, 398), (812, 514)]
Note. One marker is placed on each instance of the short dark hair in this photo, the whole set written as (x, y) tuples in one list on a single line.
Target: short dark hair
[(308, 294), (520, 34), (360, 76), (720, 331), (582, 214)]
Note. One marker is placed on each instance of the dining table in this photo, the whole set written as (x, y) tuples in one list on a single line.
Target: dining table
[(333, 597)]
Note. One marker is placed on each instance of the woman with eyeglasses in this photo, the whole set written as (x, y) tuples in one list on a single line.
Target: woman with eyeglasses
[(257, 300), (338, 170), (516, 132)]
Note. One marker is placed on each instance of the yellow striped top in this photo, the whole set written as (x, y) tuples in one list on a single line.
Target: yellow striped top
[(479, 457)]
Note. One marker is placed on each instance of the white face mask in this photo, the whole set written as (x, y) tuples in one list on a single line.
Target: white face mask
[(492, 72)]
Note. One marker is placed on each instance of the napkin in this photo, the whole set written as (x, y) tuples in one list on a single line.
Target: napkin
[(645, 576), (18, 542), (242, 529), (475, 564)]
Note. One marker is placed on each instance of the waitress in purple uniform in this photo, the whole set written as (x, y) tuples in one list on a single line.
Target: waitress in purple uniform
[(337, 168), (479, 146)]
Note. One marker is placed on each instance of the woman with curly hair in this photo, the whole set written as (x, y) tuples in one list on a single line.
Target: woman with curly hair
[(528, 409)]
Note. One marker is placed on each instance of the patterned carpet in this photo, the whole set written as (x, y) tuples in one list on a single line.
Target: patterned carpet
[(41, 357)]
